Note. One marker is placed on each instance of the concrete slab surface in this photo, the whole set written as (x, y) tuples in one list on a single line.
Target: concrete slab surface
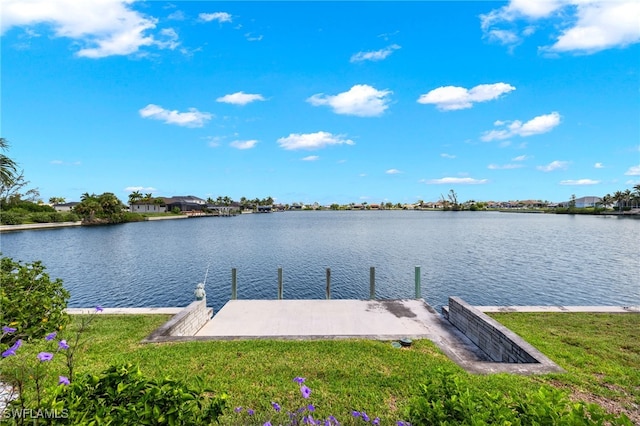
[(390, 319)]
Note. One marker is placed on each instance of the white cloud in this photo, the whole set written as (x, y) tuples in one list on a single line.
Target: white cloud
[(445, 155), (579, 182), (554, 165), (448, 98), (140, 188), (520, 158), (251, 37), (537, 125), (311, 141), (244, 144), (311, 158), (101, 27), (376, 55), (240, 98), (361, 100), (216, 16), (393, 172), (213, 141), (454, 180), (503, 37), (192, 118), (178, 15), (585, 26), (504, 166), (598, 166), (65, 163), (633, 171)]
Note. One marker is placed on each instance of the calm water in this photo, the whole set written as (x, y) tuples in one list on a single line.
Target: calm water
[(486, 258)]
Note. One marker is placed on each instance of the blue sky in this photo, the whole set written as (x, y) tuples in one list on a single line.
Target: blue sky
[(323, 101)]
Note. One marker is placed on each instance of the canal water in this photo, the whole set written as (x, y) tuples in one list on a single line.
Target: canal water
[(487, 258)]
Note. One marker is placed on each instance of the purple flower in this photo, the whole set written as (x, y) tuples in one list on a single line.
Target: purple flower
[(50, 336), (62, 380), (306, 392), (62, 344), (376, 421), (365, 417), (299, 380), (250, 412), (355, 413), (276, 406), (268, 423), (45, 356), (238, 409), (99, 308), (8, 330), (333, 420), (310, 407), (12, 350)]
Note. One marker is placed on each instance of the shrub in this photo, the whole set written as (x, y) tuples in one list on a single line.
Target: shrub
[(70, 217), (121, 395), (8, 217), (30, 301), (40, 217), (449, 400)]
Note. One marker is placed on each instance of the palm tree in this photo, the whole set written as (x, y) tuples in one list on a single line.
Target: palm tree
[(134, 197), (618, 196), (636, 195), (56, 200), (627, 197), (87, 196), (8, 168)]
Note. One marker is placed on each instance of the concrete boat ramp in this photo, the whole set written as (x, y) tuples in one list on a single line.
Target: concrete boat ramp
[(323, 319), (387, 320)]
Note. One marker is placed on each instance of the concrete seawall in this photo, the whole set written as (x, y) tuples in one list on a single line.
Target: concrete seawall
[(30, 226)]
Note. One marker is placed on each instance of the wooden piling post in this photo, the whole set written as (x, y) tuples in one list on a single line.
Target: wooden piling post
[(280, 283), (418, 284), (328, 283), (372, 283), (234, 284)]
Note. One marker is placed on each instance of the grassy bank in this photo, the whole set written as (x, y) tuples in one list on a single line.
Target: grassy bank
[(600, 352)]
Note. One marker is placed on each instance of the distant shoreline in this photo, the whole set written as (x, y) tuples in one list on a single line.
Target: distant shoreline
[(53, 225), (38, 226)]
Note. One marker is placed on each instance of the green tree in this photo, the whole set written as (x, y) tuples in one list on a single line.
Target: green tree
[(105, 207), (619, 198), (134, 197), (56, 200), (30, 301), (8, 168)]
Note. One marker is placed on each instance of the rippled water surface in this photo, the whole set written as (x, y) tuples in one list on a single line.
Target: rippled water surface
[(487, 258)]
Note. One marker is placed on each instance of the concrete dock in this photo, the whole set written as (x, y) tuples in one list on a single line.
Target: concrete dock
[(322, 319)]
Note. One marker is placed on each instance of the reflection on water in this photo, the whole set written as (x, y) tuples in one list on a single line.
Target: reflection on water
[(487, 258)]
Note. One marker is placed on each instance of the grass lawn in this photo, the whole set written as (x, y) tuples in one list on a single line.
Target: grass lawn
[(600, 352)]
